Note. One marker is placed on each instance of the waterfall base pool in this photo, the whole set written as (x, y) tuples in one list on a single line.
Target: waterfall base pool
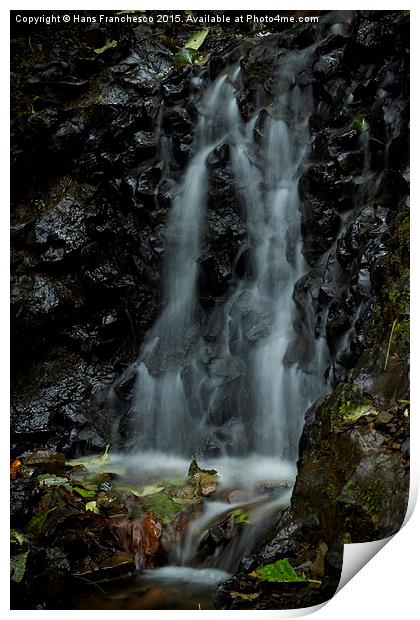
[(201, 546), (169, 587)]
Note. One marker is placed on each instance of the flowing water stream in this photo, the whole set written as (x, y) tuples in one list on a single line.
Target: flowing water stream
[(184, 386), (235, 397)]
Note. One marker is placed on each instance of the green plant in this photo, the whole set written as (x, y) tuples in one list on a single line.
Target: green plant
[(241, 517), (189, 54), (108, 45), (18, 566), (360, 123), (279, 572), (197, 39)]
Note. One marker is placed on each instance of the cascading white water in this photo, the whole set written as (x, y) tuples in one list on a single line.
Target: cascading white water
[(238, 395)]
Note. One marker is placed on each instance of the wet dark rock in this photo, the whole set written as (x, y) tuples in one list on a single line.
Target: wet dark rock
[(405, 447), (383, 420), (179, 123), (149, 63), (119, 564), (376, 480), (63, 230), (38, 299), (51, 406), (48, 568), (68, 136), (175, 88), (298, 39), (56, 76), (19, 233), (339, 316), (45, 461), (259, 70), (317, 176), (41, 124), (333, 42), (23, 494), (147, 184), (216, 64), (145, 143), (369, 37), (350, 162), (225, 226), (320, 225), (352, 243), (345, 139), (110, 504), (329, 65)]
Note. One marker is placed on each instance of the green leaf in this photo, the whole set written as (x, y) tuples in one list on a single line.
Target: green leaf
[(87, 462), (92, 507), (108, 45), (240, 517), (84, 492), (163, 506), (51, 480), (278, 572), (360, 123), (197, 39), (184, 57), (150, 489), (354, 412), (17, 537), (17, 566), (38, 520), (126, 488)]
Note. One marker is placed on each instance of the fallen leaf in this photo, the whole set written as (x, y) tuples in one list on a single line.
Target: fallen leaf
[(139, 536), (197, 39), (108, 45), (16, 536), (184, 57), (92, 507), (14, 468), (18, 566), (38, 520), (51, 480), (84, 492), (149, 489)]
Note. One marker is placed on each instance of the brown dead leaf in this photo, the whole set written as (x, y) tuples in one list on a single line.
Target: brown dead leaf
[(14, 468), (139, 536)]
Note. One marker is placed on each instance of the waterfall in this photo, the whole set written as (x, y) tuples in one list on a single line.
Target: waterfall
[(246, 389)]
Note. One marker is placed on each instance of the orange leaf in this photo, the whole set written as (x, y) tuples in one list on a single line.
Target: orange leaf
[(14, 468)]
